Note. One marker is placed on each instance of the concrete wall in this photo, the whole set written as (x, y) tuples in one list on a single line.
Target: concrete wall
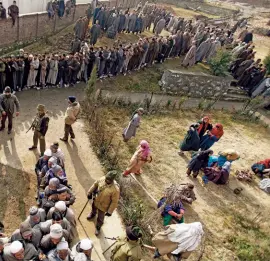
[(196, 85), (31, 26)]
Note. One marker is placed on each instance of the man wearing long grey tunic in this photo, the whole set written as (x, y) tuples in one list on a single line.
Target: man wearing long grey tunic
[(190, 56), (101, 18), (202, 50), (242, 67), (122, 21), (132, 22), (53, 65), (213, 50), (178, 42), (79, 28), (170, 24), (75, 45), (17, 251), (95, 32), (160, 26), (186, 43), (131, 129)]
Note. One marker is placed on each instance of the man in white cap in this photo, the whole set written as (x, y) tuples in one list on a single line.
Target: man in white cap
[(67, 213), (82, 249), (27, 234), (57, 218), (36, 216), (49, 242), (16, 251), (61, 253), (58, 153)]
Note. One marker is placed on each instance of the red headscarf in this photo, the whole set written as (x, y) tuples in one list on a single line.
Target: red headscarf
[(205, 124), (217, 130)]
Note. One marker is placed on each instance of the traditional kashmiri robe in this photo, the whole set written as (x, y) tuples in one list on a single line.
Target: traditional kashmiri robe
[(131, 129), (190, 56), (160, 26), (202, 50), (95, 32)]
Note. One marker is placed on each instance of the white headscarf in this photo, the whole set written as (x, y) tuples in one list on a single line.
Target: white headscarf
[(187, 236)]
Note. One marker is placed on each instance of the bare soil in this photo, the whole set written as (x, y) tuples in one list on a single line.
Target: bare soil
[(222, 213)]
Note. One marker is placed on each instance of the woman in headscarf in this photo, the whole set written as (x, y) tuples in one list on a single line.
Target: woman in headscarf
[(218, 175), (205, 125), (178, 240), (262, 167), (131, 129), (139, 158), (208, 140), (198, 162), (191, 141)]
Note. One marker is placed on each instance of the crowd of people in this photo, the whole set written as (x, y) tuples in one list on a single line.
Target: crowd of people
[(49, 231), (60, 8), (13, 12)]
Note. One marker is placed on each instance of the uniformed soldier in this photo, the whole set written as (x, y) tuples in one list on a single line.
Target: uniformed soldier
[(106, 193), (40, 127), (129, 247)]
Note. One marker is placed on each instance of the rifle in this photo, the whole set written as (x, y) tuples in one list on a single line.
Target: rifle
[(33, 125)]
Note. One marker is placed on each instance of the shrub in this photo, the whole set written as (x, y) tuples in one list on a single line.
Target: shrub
[(220, 62), (266, 62)]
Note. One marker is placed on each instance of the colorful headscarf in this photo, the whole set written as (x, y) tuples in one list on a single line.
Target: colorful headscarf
[(217, 130), (145, 148)]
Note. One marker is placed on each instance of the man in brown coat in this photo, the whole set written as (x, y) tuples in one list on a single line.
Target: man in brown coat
[(8, 102), (71, 115), (40, 127), (105, 193)]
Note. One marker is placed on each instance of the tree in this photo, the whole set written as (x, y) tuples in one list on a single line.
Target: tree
[(219, 64)]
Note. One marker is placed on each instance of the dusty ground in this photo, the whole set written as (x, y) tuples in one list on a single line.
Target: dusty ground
[(18, 179), (217, 207)]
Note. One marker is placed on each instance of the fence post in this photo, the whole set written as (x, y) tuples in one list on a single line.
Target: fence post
[(54, 26), (18, 28), (37, 26)]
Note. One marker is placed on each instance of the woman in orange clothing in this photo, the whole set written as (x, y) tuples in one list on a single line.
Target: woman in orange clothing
[(261, 168), (139, 158), (208, 140), (205, 125)]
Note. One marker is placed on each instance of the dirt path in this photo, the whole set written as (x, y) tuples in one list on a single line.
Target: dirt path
[(82, 165)]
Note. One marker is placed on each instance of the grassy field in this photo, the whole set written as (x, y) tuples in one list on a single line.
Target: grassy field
[(227, 218)]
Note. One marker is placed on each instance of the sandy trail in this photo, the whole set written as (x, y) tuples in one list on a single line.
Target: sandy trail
[(82, 165)]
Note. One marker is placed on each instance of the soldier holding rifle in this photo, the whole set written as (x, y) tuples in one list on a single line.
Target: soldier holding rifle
[(40, 127)]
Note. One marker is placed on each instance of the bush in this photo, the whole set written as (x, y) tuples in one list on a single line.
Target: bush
[(220, 62), (267, 63)]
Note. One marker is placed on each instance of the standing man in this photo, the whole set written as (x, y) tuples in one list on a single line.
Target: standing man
[(13, 12), (3, 13), (71, 115), (105, 193), (7, 103), (40, 127)]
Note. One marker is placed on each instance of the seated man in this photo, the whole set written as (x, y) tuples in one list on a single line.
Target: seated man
[(82, 250), (27, 234), (261, 168), (16, 251), (67, 213), (58, 153), (62, 252), (171, 211), (57, 218), (56, 171), (36, 215), (50, 241)]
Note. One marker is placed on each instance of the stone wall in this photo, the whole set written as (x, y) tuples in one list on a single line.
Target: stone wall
[(196, 85)]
